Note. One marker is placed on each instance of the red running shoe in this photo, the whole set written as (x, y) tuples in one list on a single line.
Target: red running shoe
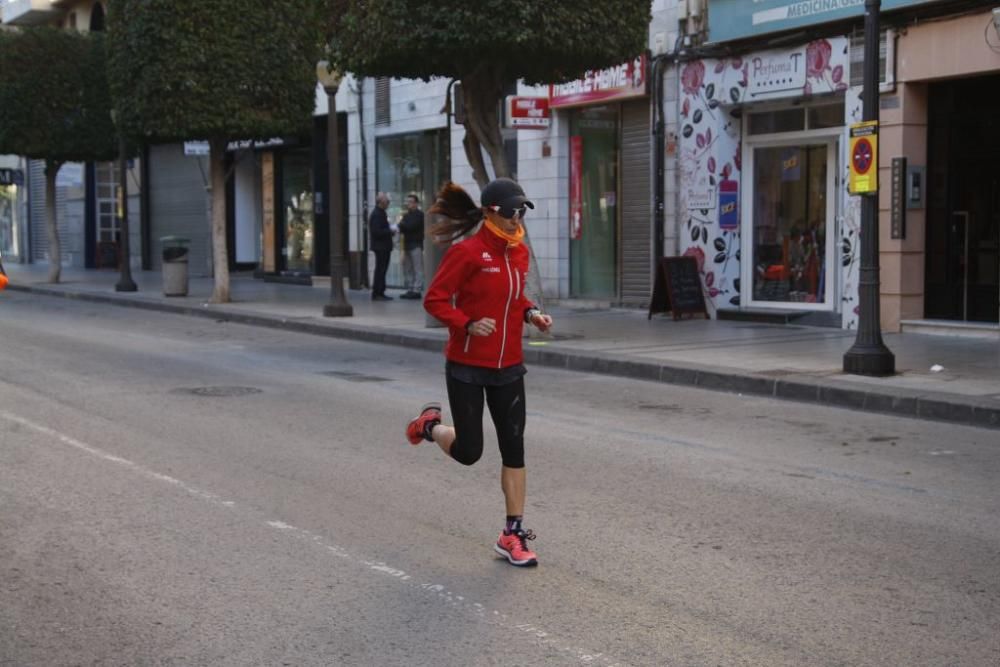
[(514, 548), (418, 430)]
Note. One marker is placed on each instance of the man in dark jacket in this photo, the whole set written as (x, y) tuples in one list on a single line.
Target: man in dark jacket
[(412, 227), (381, 237)]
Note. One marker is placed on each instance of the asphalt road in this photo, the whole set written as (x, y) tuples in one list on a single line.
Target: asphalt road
[(146, 520)]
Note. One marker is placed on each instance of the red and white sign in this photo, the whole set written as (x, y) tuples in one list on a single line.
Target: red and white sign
[(576, 187), (528, 113), (615, 83)]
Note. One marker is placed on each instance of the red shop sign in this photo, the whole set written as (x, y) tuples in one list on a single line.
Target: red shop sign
[(528, 113), (576, 187), (615, 83)]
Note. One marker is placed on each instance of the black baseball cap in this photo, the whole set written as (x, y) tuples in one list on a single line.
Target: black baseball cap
[(505, 194)]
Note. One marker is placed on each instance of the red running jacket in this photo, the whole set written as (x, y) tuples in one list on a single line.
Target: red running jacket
[(486, 279)]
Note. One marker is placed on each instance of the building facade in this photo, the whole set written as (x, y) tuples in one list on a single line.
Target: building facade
[(764, 160)]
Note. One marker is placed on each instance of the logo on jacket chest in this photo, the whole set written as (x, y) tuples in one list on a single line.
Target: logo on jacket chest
[(488, 261)]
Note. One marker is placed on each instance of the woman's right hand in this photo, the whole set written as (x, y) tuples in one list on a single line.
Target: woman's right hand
[(483, 327)]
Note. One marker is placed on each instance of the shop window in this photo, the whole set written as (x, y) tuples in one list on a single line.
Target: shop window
[(418, 162), (791, 223), (298, 201)]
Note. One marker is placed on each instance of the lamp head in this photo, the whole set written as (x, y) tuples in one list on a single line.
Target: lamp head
[(328, 77)]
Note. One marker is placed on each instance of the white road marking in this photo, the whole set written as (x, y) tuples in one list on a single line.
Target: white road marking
[(499, 619)]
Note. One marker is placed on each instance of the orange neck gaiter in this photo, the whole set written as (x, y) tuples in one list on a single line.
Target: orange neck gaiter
[(512, 239)]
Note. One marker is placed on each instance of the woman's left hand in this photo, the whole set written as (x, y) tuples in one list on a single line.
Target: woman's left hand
[(542, 321)]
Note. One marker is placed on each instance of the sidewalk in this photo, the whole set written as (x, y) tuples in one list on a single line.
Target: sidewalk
[(785, 361)]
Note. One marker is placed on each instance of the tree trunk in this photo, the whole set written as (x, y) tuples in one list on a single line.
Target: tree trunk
[(474, 153), (55, 252), (481, 93), (220, 251)]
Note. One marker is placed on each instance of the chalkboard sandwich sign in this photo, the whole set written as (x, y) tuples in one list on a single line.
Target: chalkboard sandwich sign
[(677, 288)]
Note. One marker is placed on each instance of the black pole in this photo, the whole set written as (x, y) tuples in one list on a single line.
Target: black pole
[(869, 355), (338, 306), (125, 282)]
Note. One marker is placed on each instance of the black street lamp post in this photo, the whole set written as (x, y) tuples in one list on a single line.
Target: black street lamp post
[(125, 282), (338, 305), (869, 355)]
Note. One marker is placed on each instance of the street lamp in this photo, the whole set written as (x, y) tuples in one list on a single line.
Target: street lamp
[(869, 355), (338, 305), (125, 282)]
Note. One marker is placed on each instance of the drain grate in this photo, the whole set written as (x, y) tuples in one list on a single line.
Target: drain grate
[(217, 391), (355, 377)]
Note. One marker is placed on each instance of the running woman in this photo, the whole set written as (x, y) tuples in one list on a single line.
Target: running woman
[(478, 292)]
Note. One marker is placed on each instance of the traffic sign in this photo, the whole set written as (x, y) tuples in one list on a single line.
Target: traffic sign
[(863, 158)]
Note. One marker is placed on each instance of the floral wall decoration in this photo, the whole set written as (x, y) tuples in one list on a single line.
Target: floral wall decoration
[(712, 99), (850, 226)]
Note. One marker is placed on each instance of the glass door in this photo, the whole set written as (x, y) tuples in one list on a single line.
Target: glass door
[(793, 210)]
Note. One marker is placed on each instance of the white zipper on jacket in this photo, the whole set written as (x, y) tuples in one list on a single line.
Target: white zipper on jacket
[(506, 310)]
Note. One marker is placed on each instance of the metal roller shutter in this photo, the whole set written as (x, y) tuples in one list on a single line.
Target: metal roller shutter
[(178, 205), (69, 218), (636, 205), (36, 216)]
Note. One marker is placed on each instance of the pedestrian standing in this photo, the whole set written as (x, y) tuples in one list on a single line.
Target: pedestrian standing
[(478, 292), (381, 243), (412, 228)]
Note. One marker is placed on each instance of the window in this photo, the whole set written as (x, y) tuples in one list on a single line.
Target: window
[(383, 86), (858, 58), (770, 122), (816, 117), (107, 201)]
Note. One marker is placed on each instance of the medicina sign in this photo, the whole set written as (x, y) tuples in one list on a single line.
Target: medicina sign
[(737, 19)]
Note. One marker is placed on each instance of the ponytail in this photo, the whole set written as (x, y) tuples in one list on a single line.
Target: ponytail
[(459, 211)]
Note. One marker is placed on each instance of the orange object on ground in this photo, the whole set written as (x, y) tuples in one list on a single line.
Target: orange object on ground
[(3, 281)]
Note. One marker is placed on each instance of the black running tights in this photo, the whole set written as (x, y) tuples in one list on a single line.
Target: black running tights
[(507, 410)]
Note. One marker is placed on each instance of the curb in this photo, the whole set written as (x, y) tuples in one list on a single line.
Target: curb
[(932, 406)]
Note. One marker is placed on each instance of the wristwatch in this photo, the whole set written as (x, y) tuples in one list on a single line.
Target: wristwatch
[(530, 314)]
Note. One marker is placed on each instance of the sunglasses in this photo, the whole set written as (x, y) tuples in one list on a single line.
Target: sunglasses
[(511, 213)]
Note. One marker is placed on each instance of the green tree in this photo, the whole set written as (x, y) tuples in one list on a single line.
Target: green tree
[(55, 106), (215, 71), (486, 45)]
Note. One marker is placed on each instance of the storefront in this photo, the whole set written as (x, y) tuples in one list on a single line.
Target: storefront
[(417, 162), (766, 214), (281, 204), (610, 220), (763, 131)]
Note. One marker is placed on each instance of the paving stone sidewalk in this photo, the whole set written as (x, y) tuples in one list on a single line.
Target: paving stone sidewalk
[(785, 361)]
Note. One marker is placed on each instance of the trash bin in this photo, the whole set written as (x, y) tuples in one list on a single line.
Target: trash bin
[(175, 265)]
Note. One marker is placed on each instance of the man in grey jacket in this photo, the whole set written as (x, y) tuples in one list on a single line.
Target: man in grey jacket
[(412, 227)]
